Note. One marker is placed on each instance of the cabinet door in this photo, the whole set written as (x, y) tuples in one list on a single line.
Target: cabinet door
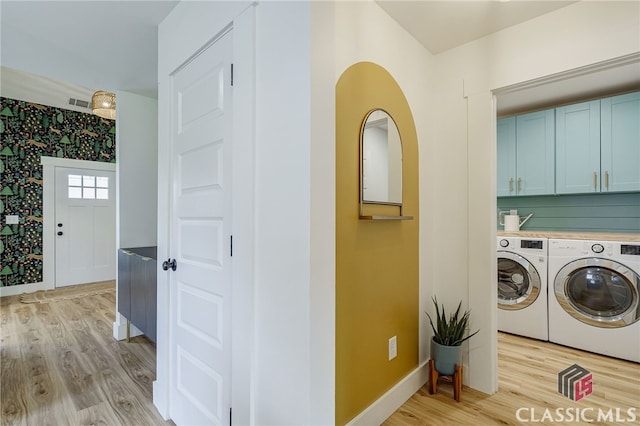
[(138, 294), (535, 153), (151, 303), (506, 159), (620, 143), (124, 283), (578, 148)]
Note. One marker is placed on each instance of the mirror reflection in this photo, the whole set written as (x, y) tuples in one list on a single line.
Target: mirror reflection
[(381, 166)]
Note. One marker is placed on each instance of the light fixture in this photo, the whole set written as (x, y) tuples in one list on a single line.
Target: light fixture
[(103, 104)]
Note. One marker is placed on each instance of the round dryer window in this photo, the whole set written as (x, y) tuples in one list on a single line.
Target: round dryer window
[(518, 281), (599, 292)]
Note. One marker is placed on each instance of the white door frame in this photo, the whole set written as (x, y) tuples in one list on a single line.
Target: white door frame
[(241, 17), (49, 165)]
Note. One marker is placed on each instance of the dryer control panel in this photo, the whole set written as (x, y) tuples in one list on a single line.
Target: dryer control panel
[(630, 249)]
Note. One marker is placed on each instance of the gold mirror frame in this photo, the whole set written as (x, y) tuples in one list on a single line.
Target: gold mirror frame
[(380, 159)]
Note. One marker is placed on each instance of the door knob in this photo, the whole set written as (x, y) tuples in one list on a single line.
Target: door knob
[(170, 263), (60, 232)]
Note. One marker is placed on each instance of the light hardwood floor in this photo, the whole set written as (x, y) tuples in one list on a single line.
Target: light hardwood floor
[(61, 366), (528, 373)]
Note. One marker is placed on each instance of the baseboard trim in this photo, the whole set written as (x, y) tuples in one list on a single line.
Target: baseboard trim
[(23, 288), (393, 399), (120, 329)]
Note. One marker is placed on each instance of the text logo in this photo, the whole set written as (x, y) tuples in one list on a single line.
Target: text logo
[(575, 382)]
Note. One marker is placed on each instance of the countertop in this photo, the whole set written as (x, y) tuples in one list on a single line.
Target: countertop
[(596, 236)]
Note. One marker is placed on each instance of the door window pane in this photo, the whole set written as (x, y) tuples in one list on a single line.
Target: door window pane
[(102, 193), (75, 192), (75, 180), (88, 193), (88, 187), (102, 182), (89, 181)]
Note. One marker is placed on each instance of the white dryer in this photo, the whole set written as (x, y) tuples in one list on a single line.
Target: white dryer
[(522, 286), (594, 296)]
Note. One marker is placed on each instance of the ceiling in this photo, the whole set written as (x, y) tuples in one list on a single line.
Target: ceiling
[(106, 44), (83, 46), (442, 25)]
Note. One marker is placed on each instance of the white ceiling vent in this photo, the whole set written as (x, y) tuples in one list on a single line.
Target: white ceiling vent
[(80, 103)]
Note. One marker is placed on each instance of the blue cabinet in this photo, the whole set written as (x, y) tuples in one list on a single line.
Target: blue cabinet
[(535, 141), (578, 148), (137, 291), (620, 143), (525, 154), (506, 156), (598, 146)]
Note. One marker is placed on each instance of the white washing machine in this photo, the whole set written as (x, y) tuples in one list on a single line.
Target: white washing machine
[(522, 286), (594, 292)]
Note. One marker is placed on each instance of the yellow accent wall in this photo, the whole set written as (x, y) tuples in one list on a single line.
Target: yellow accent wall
[(376, 261)]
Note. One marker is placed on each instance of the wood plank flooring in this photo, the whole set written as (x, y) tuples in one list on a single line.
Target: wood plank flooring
[(62, 366), (528, 373)]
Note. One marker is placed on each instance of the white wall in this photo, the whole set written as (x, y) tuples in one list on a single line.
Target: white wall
[(283, 142), (322, 218), (575, 36), (137, 170)]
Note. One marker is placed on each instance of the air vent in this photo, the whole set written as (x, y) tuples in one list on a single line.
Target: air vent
[(80, 103)]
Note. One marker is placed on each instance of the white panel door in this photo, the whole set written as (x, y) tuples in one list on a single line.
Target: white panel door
[(200, 287), (85, 226)]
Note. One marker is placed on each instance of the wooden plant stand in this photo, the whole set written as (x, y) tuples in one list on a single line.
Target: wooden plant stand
[(456, 378)]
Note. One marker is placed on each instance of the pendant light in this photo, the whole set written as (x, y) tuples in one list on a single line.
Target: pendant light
[(103, 104)]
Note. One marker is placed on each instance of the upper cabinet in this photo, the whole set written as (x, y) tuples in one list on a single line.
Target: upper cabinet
[(620, 143), (598, 146), (526, 154), (587, 147), (578, 148), (506, 129)]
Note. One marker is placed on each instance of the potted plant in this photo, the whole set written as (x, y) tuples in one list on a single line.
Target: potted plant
[(448, 335)]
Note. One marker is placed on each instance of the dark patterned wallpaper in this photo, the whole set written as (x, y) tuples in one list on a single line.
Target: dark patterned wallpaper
[(27, 132)]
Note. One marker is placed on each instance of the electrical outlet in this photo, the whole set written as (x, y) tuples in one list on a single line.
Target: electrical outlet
[(12, 219), (393, 348)]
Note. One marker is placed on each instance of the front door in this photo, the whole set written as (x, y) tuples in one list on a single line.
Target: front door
[(200, 238), (85, 226)]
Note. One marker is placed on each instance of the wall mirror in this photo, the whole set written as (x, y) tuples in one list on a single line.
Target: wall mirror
[(381, 160)]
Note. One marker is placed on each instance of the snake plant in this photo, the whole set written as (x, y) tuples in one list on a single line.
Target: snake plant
[(450, 331)]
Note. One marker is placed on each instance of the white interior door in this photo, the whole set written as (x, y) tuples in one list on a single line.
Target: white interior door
[(200, 287), (85, 226)]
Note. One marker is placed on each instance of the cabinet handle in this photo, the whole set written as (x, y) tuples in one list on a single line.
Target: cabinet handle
[(510, 185), (595, 181), (519, 185), (606, 179)]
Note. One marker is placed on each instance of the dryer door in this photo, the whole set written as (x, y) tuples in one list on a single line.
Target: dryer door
[(599, 292), (518, 281)]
